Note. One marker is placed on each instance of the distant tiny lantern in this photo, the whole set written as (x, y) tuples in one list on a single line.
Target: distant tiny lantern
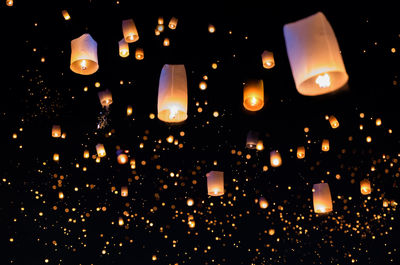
[(252, 140), (120, 221), (160, 28), (322, 198), (56, 157), (64, 135), (101, 152), (129, 30), (139, 54), (172, 94), (314, 56), (66, 15), (84, 55), (268, 59), (129, 111), (211, 28), (378, 122), (190, 202), (325, 145), (253, 95), (123, 48), (105, 98), (333, 121), (60, 195), (173, 23), (215, 183), (301, 152), (263, 203), (275, 159), (260, 145), (56, 131), (160, 20), (191, 221), (157, 32), (122, 159), (166, 42), (203, 85), (365, 187), (385, 203), (86, 154), (369, 139), (124, 191)]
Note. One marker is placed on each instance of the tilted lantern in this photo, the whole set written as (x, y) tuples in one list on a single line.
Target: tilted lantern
[(101, 152), (275, 159), (172, 94), (56, 131), (260, 145), (139, 54), (56, 157), (173, 23), (129, 30), (268, 59), (86, 154), (253, 95), (322, 198), (365, 187), (252, 140), (263, 203), (105, 98), (301, 152), (314, 56), (215, 183), (166, 42), (122, 158), (160, 20), (325, 145), (123, 48), (84, 55), (333, 121), (66, 15)]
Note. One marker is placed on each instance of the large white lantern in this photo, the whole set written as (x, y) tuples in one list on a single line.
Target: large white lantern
[(322, 198), (215, 183), (84, 55)]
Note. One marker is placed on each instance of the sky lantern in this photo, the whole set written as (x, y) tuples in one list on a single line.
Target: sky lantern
[(124, 191), (173, 23), (56, 157), (253, 95), (160, 21), (333, 121), (129, 30), (9, 2), (365, 187), (105, 98), (263, 203), (86, 154), (260, 145), (166, 42), (84, 55), (275, 159), (190, 202), (301, 152), (123, 48), (61, 195), (322, 198), (378, 122), (215, 183), (139, 54), (101, 152), (160, 28), (56, 131), (66, 15), (211, 28), (122, 158), (314, 56), (191, 221), (252, 140), (268, 59), (172, 94), (325, 145), (129, 110)]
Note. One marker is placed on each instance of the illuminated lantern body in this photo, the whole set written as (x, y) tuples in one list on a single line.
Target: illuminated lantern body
[(275, 159), (139, 54), (132, 163), (191, 221), (325, 145), (173, 23), (385, 203), (56, 131), (166, 42), (301, 152), (56, 157), (260, 145), (215, 183), (263, 203), (322, 198), (122, 158), (86, 154), (123, 48), (160, 28), (365, 187), (61, 195), (190, 202), (101, 152), (172, 94), (84, 55), (129, 111), (378, 122), (253, 95), (333, 121), (124, 191), (268, 59), (211, 28), (160, 21), (129, 30), (66, 15), (314, 56), (105, 98), (120, 221), (252, 140)]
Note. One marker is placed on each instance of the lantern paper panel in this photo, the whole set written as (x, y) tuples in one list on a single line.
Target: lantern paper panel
[(129, 30), (124, 191), (365, 187), (314, 56), (325, 145), (253, 95), (66, 15), (139, 54), (84, 55), (105, 98), (123, 48), (101, 152), (252, 140), (56, 131), (322, 198), (173, 23), (268, 59), (275, 159), (333, 122), (215, 183), (263, 203), (172, 94), (301, 152)]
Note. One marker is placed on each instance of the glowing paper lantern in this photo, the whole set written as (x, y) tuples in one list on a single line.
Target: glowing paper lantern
[(124, 191), (172, 94), (253, 95), (275, 159), (122, 158), (9, 2), (56, 131), (129, 111), (160, 28), (325, 145), (120, 221), (252, 140), (123, 48), (203, 85), (86, 154), (160, 21), (190, 202), (101, 152), (211, 28), (173, 23), (129, 30), (314, 56), (263, 203), (191, 221), (268, 59), (105, 98), (56, 157), (385, 203), (139, 54), (333, 121), (378, 122), (66, 15), (260, 145), (84, 55), (166, 42), (301, 152), (365, 187), (322, 198), (60, 195), (215, 183)]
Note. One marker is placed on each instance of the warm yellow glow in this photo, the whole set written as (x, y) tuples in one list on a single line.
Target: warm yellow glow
[(9, 2), (190, 202), (203, 85), (365, 187), (66, 15), (124, 191), (275, 159), (323, 80), (322, 199), (83, 64), (129, 111), (61, 195), (86, 154), (268, 59), (123, 48), (172, 23), (63, 135), (378, 122), (334, 122), (122, 159), (211, 28), (385, 203), (101, 152), (215, 183), (263, 203), (56, 157), (170, 139), (56, 131), (369, 139), (156, 32), (166, 42), (214, 66), (160, 20), (120, 221), (160, 28), (253, 95), (325, 145), (301, 152), (139, 54)]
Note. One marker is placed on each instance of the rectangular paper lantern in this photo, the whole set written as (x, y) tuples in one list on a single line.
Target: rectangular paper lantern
[(252, 140), (253, 95), (129, 31), (84, 55), (123, 48), (56, 131), (314, 56), (215, 183), (322, 198)]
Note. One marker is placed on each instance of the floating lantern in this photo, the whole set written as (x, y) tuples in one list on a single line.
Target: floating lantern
[(275, 159), (86, 154), (139, 54), (66, 15), (156, 32), (101, 152), (123, 48), (322, 198), (314, 56), (301, 152), (252, 140), (105, 97), (84, 55), (203, 85), (263, 203), (129, 111), (160, 20), (378, 122), (56, 157), (173, 23), (132, 163), (191, 221), (56, 131), (253, 95), (260, 145), (9, 2), (385, 203), (333, 121), (215, 183), (369, 139), (129, 30), (61, 195), (365, 187), (122, 159), (64, 135), (189, 202), (120, 221), (166, 42), (268, 59), (325, 145), (172, 94), (211, 28), (160, 28), (124, 191)]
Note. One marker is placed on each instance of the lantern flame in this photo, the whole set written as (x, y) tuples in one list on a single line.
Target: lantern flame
[(253, 101), (323, 81), (173, 112), (84, 65)]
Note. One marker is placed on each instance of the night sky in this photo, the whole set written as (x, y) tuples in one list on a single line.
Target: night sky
[(93, 224)]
